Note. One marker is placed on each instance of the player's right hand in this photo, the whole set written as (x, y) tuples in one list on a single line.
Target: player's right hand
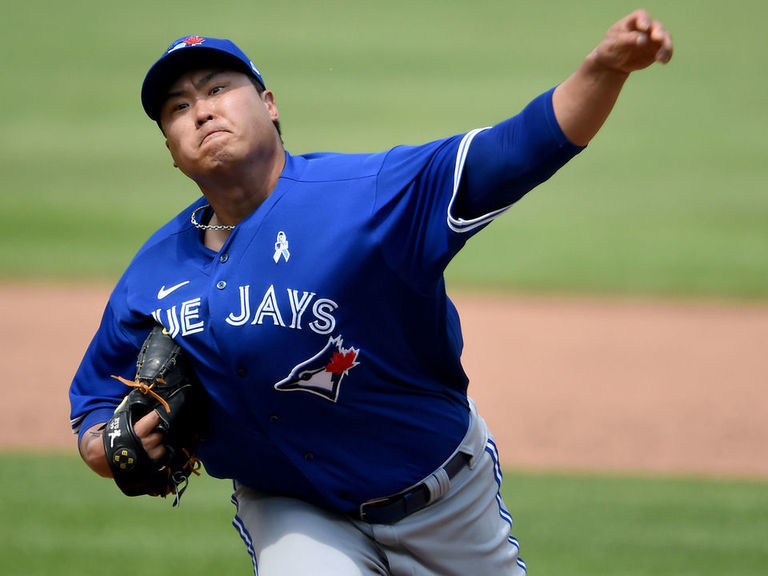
[(633, 43)]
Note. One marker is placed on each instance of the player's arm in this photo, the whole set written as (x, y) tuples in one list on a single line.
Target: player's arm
[(511, 158), (583, 101), (92, 450)]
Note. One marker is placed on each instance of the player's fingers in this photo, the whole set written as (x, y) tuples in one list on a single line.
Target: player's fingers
[(662, 37), (657, 33), (152, 440), (146, 424), (655, 37), (631, 39), (646, 30), (639, 21), (153, 444), (656, 40), (664, 55)]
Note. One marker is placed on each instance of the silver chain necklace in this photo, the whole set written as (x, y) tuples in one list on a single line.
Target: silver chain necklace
[(197, 224)]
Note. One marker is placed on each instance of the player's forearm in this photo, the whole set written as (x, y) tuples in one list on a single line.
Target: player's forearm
[(92, 451), (583, 102)]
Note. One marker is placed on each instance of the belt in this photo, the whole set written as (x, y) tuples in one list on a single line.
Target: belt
[(394, 508)]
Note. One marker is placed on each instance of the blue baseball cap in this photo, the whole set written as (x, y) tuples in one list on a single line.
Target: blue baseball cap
[(185, 54)]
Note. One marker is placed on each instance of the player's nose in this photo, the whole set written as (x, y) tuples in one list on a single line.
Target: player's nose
[(203, 111)]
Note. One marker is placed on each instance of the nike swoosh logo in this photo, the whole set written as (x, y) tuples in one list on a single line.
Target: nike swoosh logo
[(163, 292)]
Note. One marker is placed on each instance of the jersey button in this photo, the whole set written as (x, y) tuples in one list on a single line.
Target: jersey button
[(309, 456), (223, 258), (274, 418), (242, 372), (221, 284)]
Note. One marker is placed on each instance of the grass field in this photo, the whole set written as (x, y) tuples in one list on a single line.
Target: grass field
[(59, 518), (669, 199)]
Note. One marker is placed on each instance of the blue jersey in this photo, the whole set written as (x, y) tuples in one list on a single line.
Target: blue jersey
[(321, 330)]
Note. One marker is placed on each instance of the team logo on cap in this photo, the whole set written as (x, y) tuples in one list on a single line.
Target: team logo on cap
[(190, 41), (322, 374)]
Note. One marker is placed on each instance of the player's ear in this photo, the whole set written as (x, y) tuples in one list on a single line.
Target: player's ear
[(268, 98)]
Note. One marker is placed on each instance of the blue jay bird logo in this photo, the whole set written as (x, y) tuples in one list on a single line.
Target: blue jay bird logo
[(322, 374)]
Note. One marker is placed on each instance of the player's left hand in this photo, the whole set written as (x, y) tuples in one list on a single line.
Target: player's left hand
[(633, 43), (146, 430)]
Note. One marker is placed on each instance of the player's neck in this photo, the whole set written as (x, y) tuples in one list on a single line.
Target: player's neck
[(235, 194), (215, 239)]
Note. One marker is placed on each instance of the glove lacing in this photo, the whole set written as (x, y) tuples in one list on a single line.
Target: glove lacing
[(146, 389)]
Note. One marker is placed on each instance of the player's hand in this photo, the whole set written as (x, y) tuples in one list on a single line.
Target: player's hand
[(633, 43), (151, 438)]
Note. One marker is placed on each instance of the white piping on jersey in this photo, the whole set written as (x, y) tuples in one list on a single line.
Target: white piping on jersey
[(459, 224), (76, 423)]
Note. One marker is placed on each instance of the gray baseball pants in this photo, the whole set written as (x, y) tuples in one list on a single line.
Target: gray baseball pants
[(465, 529)]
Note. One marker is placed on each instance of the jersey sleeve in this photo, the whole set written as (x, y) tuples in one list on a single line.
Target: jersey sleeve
[(93, 393), (431, 199), (507, 161)]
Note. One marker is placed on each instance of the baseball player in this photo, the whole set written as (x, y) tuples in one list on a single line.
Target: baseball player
[(308, 292)]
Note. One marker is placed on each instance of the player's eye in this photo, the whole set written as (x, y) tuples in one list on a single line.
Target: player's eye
[(174, 106), (216, 90)]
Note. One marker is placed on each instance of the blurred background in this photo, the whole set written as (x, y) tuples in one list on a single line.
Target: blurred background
[(669, 199), (668, 204)]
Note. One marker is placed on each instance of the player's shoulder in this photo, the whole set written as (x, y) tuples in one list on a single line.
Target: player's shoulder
[(329, 166), (179, 223), (172, 232), (332, 166)]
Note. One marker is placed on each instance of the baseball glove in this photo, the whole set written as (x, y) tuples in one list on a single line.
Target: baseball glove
[(166, 383)]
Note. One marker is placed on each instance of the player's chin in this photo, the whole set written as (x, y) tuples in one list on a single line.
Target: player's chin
[(222, 145), (220, 162)]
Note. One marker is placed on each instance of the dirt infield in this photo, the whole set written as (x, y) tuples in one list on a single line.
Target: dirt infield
[(574, 384)]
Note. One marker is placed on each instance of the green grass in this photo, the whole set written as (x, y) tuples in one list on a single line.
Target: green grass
[(669, 199), (639, 526), (60, 518)]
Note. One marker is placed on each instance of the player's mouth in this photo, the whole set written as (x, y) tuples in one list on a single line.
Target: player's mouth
[(212, 135)]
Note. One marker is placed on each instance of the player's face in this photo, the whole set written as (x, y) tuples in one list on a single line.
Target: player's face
[(214, 119)]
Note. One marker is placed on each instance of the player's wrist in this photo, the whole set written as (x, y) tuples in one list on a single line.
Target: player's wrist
[(601, 69), (92, 451)]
